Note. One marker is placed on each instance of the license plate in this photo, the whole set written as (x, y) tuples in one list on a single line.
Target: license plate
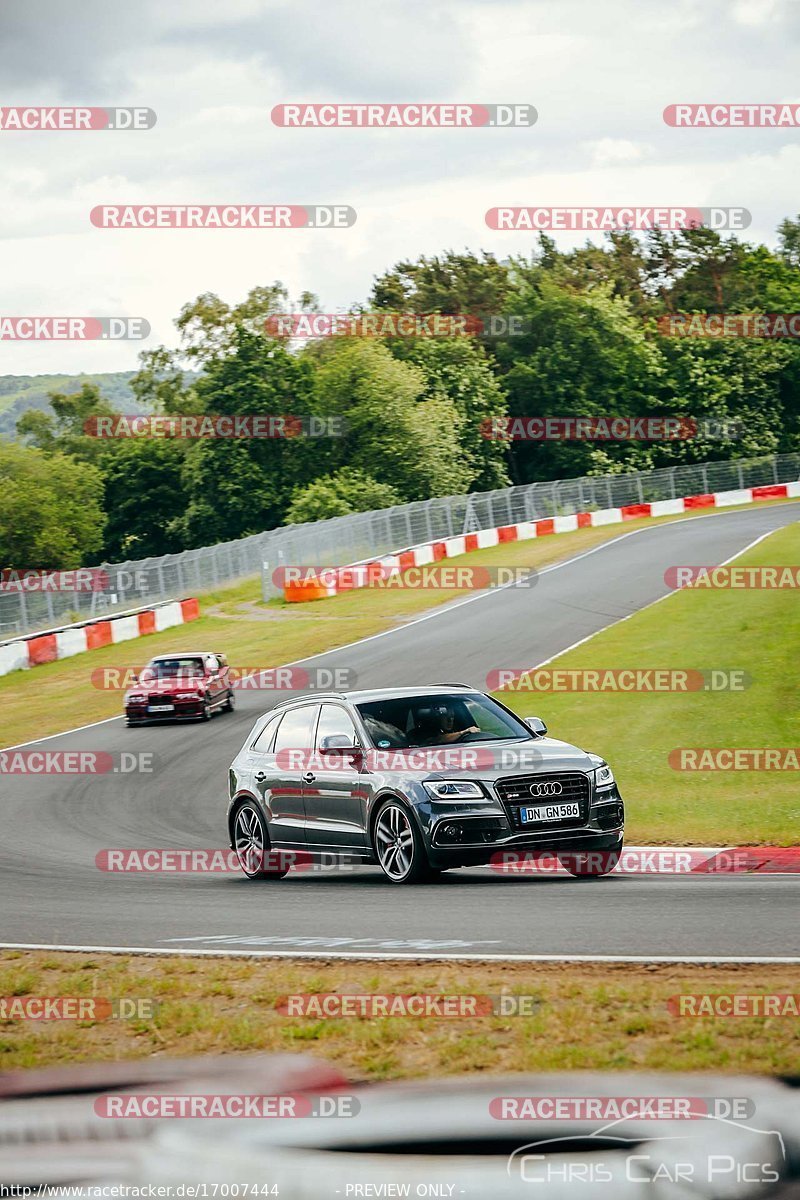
[(161, 708), (549, 812)]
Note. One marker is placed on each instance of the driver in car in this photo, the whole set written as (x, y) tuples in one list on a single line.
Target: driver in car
[(441, 723)]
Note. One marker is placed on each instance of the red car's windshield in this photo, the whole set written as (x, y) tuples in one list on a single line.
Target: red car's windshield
[(173, 668)]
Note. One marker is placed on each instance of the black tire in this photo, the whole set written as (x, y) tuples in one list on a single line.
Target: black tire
[(251, 844), (230, 703), (403, 858), (206, 713), (591, 864)]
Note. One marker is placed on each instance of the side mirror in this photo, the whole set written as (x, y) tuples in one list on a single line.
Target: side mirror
[(537, 725), (339, 744)]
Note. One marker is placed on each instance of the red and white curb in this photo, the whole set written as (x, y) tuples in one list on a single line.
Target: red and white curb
[(56, 644), (342, 579)]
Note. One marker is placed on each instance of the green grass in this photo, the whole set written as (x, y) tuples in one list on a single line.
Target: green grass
[(214, 1006), (757, 631)]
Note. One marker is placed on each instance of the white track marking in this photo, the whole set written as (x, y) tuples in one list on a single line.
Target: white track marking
[(419, 956)]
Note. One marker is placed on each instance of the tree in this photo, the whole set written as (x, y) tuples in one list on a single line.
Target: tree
[(452, 283), (391, 433), (583, 354), (64, 428), (51, 516), (238, 486), (346, 491), (457, 370), (144, 498)]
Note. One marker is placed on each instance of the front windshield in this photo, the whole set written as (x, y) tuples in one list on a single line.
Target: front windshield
[(406, 722), (173, 668)]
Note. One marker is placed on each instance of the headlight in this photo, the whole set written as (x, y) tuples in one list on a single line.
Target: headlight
[(137, 699), (603, 778), (188, 695), (453, 789)]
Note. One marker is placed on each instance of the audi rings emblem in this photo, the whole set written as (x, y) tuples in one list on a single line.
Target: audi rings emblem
[(551, 788)]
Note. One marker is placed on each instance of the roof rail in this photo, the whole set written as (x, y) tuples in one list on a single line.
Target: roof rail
[(464, 685), (312, 695)]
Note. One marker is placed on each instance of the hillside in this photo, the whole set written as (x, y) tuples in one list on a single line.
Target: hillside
[(18, 393)]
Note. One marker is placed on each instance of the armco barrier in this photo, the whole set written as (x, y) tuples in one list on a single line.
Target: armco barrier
[(358, 536), (56, 644), (343, 578)]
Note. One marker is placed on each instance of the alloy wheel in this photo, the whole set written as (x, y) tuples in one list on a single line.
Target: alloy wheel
[(394, 842)]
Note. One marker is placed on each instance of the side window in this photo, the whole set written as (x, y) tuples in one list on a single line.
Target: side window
[(296, 729), (335, 721), (212, 665), (265, 737)]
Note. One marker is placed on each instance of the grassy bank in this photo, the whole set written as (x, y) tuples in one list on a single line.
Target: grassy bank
[(754, 631), (214, 1006)]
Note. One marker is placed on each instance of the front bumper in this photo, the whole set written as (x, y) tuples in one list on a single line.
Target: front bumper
[(474, 837), (183, 710)]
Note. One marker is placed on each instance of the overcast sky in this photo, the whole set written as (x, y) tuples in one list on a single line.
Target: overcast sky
[(599, 72)]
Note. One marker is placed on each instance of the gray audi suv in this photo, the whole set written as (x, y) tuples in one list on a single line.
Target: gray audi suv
[(417, 780)]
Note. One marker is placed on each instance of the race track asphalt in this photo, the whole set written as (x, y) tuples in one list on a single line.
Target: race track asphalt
[(52, 892)]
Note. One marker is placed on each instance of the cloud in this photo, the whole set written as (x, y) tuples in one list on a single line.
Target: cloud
[(214, 72)]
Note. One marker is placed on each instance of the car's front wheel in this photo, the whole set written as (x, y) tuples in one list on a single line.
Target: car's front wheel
[(251, 843), (399, 847)]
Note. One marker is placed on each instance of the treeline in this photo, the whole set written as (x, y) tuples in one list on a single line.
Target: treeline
[(582, 339)]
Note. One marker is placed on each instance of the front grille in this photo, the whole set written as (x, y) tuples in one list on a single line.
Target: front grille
[(515, 794)]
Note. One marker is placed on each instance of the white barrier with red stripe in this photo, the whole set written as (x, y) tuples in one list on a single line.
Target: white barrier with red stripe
[(56, 644), (334, 580)]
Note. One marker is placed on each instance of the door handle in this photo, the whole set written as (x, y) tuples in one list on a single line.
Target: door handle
[(261, 776), (309, 777)]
